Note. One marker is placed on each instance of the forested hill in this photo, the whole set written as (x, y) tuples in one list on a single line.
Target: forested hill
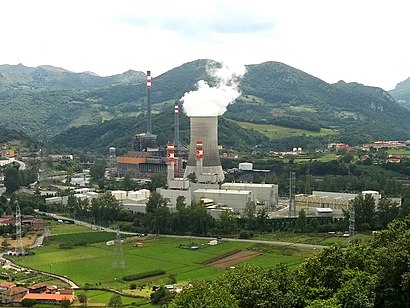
[(45, 101), (19, 77), (119, 133), (7, 135), (401, 93)]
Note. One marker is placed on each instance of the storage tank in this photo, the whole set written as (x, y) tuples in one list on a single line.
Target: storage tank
[(245, 166)]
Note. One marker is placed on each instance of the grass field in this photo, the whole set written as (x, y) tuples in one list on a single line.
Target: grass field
[(278, 132), (403, 152), (94, 264), (57, 228), (314, 239)]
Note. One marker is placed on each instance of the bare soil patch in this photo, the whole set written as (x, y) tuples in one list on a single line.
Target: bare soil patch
[(235, 258)]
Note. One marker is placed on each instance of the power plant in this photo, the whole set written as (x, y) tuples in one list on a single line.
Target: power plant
[(205, 130), (203, 175)]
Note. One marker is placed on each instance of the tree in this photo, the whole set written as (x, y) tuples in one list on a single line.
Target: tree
[(249, 215), (227, 223), (97, 170), (204, 294), (162, 296), (155, 200), (115, 301), (105, 207), (254, 286), (180, 203), (127, 182), (387, 211), (262, 219), (82, 298), (158, 180), (364, 207), (160, 219), (12, 178), (28, 302), (301, 222)]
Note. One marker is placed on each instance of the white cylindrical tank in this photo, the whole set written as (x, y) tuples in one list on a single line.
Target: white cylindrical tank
[(245, 166)]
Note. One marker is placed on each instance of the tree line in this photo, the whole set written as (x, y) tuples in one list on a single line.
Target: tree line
[(371, 274)]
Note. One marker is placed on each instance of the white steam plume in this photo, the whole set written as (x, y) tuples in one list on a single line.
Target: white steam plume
[(213, 101)]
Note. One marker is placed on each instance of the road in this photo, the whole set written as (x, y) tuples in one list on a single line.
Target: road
[(10, 265), (276, 243)]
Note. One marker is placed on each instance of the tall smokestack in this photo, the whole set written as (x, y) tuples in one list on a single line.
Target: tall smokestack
[(205, 129), (176, 132), (170, 161), (149, 123)]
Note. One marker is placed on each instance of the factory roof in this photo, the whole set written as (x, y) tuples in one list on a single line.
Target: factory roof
[(255, 185), (131, 160), (223, 191)]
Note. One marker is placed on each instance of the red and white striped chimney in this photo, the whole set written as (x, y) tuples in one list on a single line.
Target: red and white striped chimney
[(170, 161), (199, 157)]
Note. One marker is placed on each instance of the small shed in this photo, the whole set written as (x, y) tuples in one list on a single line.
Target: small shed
[(323, 212), (139, 244)]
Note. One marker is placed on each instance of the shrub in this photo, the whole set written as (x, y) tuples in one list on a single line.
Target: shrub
[(143, 275)]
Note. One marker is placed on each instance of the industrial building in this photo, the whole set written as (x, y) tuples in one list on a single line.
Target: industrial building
[(208, 172), (337, 202)]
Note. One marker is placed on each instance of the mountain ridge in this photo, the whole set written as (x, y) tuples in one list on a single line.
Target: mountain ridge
[(272, 93)]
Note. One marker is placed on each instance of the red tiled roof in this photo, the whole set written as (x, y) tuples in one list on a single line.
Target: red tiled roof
[(15, 290), (7, 284), (48, 296)]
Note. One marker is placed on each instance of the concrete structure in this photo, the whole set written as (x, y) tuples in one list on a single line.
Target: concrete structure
[(245, 166), (235, 199), (204, 129), (172, 196), (264, 194), (333, 200)]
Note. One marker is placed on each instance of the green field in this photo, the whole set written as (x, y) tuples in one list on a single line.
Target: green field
[(403, 152), (94, 264), (278, 132), (57, 228), (323, 239)]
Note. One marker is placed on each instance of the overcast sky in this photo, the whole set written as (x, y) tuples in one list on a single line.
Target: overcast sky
[(365, 41)]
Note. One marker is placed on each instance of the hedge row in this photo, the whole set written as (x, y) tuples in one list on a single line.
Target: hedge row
[(143, 275)]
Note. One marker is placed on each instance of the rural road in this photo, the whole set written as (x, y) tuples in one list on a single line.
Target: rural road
[(9, 264), (276, 243)]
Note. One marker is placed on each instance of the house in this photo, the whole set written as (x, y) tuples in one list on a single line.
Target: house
[(5, 285), (47, 298), (40, 287), (13, 294)]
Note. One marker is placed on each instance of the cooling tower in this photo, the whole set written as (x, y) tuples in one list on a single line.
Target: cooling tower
[(204, 129)]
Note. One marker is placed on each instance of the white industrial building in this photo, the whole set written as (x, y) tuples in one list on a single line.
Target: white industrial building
[(335, 201), (264, 194), (234, 199)]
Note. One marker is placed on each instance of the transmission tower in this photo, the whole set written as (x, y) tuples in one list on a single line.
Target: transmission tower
[(119, 255), (352, 221), (19, 248), (292, 189)]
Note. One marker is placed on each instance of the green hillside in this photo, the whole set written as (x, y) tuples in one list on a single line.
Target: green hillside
[(44, 102), (401, 93)]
